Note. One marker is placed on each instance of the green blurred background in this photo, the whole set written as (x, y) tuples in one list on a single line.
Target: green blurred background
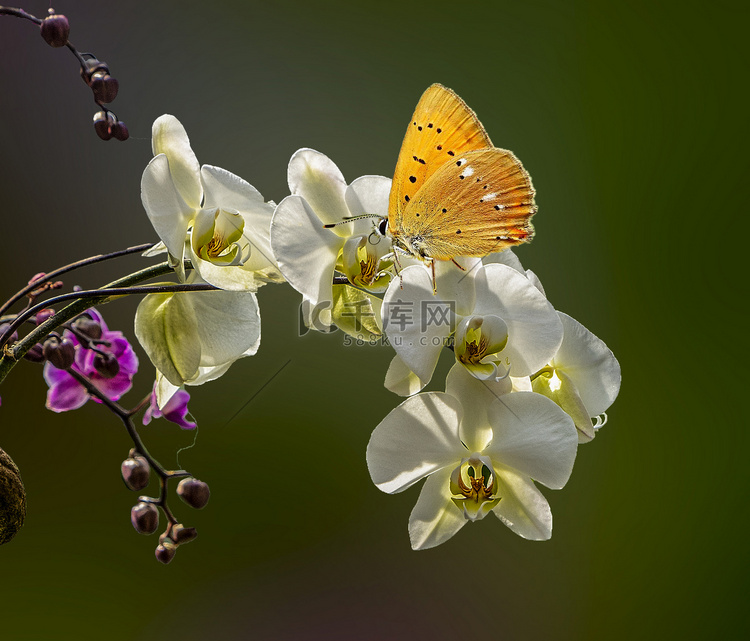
[(627, 115)]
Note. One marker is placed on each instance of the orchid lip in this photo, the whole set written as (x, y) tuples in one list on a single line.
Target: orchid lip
[(473, 485)]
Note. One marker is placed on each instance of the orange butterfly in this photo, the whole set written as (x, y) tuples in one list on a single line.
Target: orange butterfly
[(453, 193)]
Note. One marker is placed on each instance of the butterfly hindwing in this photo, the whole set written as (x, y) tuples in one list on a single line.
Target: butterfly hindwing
[(442, 128), (480, 203)]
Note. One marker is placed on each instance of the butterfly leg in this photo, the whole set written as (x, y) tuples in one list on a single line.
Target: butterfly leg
[(453, 260), (434, 282), (397, 267)]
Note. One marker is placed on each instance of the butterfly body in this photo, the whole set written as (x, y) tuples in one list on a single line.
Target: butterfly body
[(453, 193)]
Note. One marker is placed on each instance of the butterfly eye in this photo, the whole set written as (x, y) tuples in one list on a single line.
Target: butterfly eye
[(383, 226)]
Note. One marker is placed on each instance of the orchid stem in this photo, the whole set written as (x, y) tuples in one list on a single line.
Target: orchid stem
[(127, 419), (68, 268), (11, 355)]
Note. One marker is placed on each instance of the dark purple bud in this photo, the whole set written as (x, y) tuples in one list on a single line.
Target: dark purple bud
[(104, 86), (44, 315), (55, 30), (166, 551), (102, 124), (145, 518), (106, 364), (4, 328), (182, 534), (194, 492), (35, 354), (135, 473), (91, 66), (60, 353), (88, 327), (120, 131)]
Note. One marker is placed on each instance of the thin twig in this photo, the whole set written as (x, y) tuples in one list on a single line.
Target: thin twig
[(127, 419), (67, 268), (11, 355)]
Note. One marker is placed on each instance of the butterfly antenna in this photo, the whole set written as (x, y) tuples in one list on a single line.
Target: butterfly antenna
[(351, 219)]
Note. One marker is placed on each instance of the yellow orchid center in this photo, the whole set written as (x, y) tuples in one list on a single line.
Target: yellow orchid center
[(217, 245), (368, 269), (216, 233), (473, 486), (475, 347)]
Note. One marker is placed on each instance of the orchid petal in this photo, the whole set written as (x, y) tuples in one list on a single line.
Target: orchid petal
[(65, 393), (418, 437), (534, 330), (475, 396), (435, 518), (169, 137), (367, 196), (533, 436), (164, 390), (224, 189), (416, 322), (233, 278), (505, 257), (456, 284), (534, 280), (559, 388), (590, 364), (227, 325), (166, 327), (167, 211), (522, 506), (314, 177), (306, 251), (400, 380)]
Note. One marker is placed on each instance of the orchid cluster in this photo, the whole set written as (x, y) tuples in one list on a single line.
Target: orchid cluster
[(528, 383), (527, 386)]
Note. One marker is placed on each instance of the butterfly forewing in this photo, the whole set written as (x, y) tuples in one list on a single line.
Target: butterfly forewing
[(480, 203), (442, 128)]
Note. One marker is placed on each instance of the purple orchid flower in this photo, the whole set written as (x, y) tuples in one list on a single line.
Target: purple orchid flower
[(66, 393), (174, 410)]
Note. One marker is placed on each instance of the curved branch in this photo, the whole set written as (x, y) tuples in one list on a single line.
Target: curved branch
[(12, 355), (70, 267)]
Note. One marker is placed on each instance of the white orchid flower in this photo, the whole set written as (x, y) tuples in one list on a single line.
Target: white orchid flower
[(501, 323), (308, 253), (481, 450), (193, 337), (206, 214), (583, 378)]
